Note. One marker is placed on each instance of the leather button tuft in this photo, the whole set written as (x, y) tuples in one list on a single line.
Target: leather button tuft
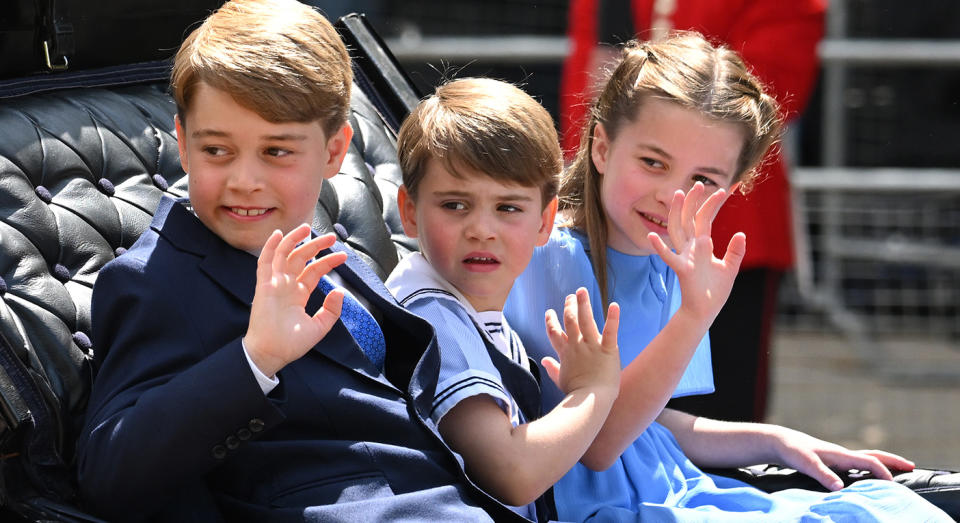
[(82, 340), (119, 251), (106, 186), (160, 182), (232, 442), (219, 452), (340, 230), (244, 434), (256, 425), (43, 193), (61, 273)]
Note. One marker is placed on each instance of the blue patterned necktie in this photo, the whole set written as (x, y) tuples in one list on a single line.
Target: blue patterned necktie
[(361, 325)]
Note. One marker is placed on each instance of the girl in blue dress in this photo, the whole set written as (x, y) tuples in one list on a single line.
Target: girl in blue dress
[(678, 126)]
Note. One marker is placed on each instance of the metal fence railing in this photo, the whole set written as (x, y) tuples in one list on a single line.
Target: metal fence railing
[(878, 250)]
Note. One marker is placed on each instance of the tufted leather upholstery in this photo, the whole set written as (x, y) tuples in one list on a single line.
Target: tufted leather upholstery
[(81, 172)]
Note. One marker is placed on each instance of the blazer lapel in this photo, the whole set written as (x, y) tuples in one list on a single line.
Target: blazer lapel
[(235, 271), (232, 269)]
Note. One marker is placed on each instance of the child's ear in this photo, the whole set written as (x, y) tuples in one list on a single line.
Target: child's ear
[(599, 148), (337, 146), (408, 212), (546, 221), (181, 143)]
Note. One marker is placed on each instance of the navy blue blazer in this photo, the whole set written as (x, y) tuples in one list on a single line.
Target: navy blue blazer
[(176, 415)]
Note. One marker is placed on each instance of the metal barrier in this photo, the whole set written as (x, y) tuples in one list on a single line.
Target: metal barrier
[(878, 250)]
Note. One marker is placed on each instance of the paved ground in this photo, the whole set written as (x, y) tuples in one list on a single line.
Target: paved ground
[(907, 400)]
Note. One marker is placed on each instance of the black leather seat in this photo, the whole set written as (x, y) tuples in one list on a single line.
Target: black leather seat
[(81, 172)]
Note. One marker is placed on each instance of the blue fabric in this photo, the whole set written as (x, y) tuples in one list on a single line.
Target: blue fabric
[(360, 323), (653, 481), (471, 343), (642, 285), (465, 366)]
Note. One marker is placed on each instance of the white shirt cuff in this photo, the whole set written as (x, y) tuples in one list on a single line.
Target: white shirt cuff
[(266, 384)]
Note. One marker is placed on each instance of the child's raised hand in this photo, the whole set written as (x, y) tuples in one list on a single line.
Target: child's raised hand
[(587, 358), (705, 281), (280, 330)]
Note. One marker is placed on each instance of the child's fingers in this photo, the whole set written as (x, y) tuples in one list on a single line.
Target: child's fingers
[(571, 322), (611, 326), (286, 246), (890, 460), (555, 332), (585, 320), (736, 250), (708, 212), (330, 311), (552, 367), (703, 251), (312, 273), (675, 221), (308, 249), (267, 254), (691, 204), (662, 249)]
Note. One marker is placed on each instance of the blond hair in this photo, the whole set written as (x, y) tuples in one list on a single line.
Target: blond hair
[(685, 69), (485, 125), (279, 58)]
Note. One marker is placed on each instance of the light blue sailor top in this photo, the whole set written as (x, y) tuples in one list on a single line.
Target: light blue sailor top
[(466, 368)]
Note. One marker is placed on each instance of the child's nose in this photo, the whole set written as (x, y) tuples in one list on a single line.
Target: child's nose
[(245, 175), (481, 227), (667, 189)]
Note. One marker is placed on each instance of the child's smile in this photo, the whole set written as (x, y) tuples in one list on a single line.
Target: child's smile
[(666, 148), (247, 212), (477, 232), (655, 223), (248, 176)]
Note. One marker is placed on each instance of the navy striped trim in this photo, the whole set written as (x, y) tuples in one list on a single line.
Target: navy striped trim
[(514, 347), (456, 387), (417, 294)]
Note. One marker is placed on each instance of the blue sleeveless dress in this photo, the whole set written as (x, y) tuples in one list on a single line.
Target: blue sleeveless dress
[(653, 480)]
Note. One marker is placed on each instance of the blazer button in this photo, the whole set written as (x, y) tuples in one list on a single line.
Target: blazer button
[(244, 434), (219, 452), (232, 442), (256, 425)]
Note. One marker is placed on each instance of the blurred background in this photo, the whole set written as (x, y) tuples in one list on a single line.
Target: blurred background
[(866, 341)]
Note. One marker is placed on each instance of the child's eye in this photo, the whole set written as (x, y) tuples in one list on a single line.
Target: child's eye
[(509, 208), (454, 206), (652, 162), (277, 152), (704, 180), (214, 150)]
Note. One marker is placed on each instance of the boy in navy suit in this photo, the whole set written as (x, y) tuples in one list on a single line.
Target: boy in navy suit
[(228, 381)]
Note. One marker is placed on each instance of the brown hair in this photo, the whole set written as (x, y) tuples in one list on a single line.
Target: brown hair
[(683, 68), (279, 58), (485, 125)]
